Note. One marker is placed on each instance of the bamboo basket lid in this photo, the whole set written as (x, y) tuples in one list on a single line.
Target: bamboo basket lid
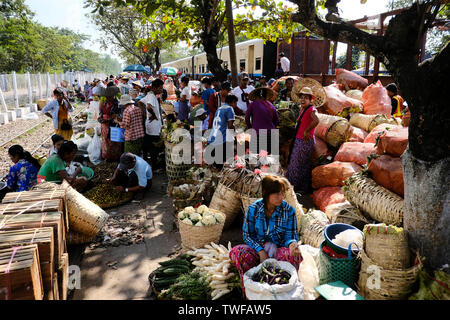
[(317, 89)]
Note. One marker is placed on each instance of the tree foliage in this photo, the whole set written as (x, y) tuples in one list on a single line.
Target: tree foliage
[(26, 45)]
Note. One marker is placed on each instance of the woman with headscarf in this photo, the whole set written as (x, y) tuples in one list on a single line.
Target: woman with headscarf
[(299, 168), (23, 174)]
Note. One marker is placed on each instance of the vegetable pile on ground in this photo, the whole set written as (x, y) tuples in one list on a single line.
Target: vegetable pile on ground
[(200, 217), (213, 260), (190, 286), (105, 196), (272, 275), (104, 170)]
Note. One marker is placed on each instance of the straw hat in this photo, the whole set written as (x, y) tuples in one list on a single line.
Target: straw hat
[(319, 94), (138, 83), (126, 99), (258, 93)]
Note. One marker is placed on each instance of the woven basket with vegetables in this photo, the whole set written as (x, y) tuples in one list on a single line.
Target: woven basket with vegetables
[(367, 122), (333, 130), (200, 226)]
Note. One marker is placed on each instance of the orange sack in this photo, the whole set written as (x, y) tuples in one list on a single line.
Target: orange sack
[(350, 80), (387, 172), (326, 196), (358, 135), (338, 101), (372, 136), (333, 174), (393, 142), (376, 100), (356, 152), (320, 150)]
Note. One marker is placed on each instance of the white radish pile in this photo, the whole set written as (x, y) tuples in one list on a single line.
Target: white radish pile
[(213, 260)]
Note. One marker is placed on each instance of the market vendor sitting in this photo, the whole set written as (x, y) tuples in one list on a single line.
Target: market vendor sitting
[(133, 174), (270, 229)]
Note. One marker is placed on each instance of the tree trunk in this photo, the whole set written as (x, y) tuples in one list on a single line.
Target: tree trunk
[(157, 59), (232, 44), (209, 42), (427, 208)]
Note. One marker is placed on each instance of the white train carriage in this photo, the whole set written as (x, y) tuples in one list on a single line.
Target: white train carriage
[(253, 57)]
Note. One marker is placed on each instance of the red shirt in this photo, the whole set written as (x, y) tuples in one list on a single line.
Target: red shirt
[(132, 123), (306, 121)]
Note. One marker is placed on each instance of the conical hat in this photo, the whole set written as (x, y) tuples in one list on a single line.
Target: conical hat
[(320, 96)]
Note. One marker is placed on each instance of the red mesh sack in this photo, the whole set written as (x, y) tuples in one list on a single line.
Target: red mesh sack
[(356, 152), (333, 174), (337, 101), (320, 150), (387, 172), (358, 135), (393, 142), (350, 80), (376, 100), (373, 135), (326, 196)]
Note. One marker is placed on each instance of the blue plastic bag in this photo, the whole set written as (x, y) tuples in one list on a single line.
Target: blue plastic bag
[(117, 134)]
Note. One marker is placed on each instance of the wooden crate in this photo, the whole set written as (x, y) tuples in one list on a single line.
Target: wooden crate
[(63, 276), (39, 220), (40, 195), (20, 274), (54, 293), (43, 237)]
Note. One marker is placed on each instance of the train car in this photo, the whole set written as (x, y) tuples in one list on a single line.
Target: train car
[(253, 56)]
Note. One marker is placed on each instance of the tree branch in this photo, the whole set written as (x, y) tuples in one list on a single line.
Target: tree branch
[(213, 15)]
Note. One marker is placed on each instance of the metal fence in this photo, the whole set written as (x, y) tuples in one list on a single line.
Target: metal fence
[(17, 90)]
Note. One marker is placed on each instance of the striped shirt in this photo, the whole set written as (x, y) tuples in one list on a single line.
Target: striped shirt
[(280, 229), (132, 123)]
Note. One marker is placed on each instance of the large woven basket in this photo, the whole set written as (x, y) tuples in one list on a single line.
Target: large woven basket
[(393, 284), (226, 201), (347, 213), (379, 203), (387, 250), (316, 87), (291, 199), (246, 202), (85, 217), (174, 171), (333, 130), (198, 237), (367, 122)]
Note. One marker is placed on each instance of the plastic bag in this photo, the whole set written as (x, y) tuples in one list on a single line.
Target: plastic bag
[(350, 80), (83, 142), (333, 174), (263, 291), (95, 149), (337, 101), (308, 272), (358, 135), (373, 135), (388, 172), (356, 152), (271, 249), (376, 100)]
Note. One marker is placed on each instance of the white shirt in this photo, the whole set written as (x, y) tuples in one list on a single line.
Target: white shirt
[(285, 64), (186, 92), (152, 128), (238, 93)]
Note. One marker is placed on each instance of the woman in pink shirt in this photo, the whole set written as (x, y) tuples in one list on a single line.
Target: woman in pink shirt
[(299, 168)]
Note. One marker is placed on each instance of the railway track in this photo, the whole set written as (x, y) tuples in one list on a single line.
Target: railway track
[(34, 148)]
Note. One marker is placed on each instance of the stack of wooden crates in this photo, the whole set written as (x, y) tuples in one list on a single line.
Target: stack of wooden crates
[(34, 263)]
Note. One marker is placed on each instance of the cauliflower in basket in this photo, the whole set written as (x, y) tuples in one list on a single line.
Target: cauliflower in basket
[(195, 216), (187, 221), (189, 210), (219, 217), (202, 209), (209, 219), (182, 215), (199, 224)]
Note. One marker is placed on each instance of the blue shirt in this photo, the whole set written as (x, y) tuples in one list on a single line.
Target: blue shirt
[(143, 171), (53, 108), (22, 176), (280, 229), (205, 97), (220, 124)]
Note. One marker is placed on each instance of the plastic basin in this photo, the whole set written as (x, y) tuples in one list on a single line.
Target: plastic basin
[(334, 229)]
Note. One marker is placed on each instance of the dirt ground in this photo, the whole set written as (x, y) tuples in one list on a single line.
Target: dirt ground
[(138, 236)]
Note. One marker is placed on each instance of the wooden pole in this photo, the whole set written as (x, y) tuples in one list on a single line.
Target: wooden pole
[(348, 60), (367, 64), (231, 44)]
